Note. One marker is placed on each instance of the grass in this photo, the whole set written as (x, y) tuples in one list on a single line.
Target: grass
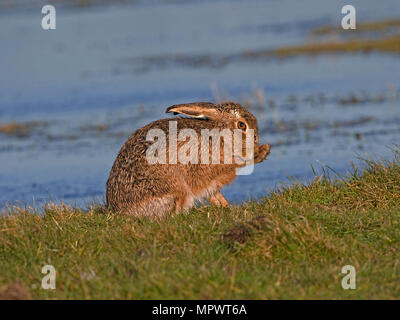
[(292, 244), (369, 26), (389, 44), (20, 130), (384, 43)]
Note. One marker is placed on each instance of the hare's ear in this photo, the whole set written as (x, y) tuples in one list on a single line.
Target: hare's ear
[(196, 110)]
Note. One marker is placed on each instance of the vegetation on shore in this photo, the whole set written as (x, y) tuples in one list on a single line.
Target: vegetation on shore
[(292, 244), (369, 26), (387, 45), (20, 129), (375, 36), (371, 36)]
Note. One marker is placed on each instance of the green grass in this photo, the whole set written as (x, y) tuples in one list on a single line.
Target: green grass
[(291, 245)]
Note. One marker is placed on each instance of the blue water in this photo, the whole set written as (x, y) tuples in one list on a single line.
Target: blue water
[(117, 66)]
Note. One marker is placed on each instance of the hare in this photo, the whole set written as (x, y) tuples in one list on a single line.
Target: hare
[(140, 188)]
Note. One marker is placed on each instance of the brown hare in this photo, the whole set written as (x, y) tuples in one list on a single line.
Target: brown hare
[(140, 187)]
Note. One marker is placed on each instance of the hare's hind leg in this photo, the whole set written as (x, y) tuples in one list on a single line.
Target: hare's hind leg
[(184, 202), (153, 208), (218, 199)]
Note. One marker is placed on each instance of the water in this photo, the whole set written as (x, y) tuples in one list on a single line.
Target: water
[(108, 70)]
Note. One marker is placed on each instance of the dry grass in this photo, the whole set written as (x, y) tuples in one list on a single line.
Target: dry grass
[(388, 45), (15, 129), (20, 130), (379, 26)]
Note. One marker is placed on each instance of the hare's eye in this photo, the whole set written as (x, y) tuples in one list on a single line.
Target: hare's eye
[(241, 125)]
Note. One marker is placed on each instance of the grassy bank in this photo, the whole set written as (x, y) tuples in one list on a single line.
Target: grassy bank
[(383, 37), (385, 45), (292, 244), (368, 26)]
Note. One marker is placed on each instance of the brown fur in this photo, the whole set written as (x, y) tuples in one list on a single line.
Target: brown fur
[(139, 188)]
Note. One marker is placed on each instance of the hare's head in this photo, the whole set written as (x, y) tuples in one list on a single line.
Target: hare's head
[(226, 115), (234, 115)]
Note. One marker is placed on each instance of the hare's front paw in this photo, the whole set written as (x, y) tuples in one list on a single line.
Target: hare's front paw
[(262, 153)]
